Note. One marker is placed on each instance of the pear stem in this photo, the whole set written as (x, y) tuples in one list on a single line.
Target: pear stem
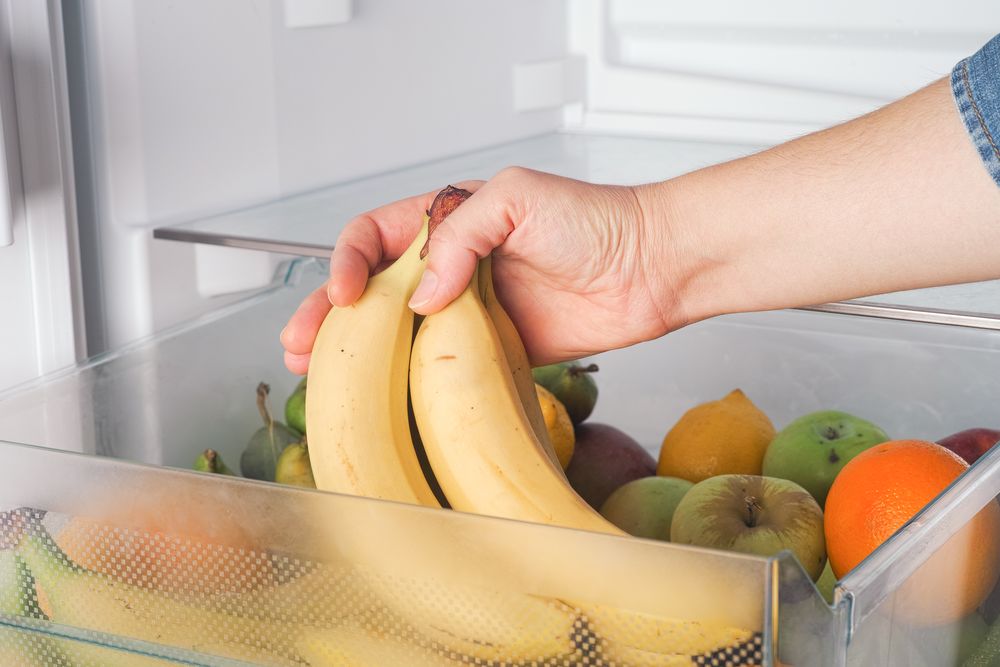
[(577, 370), (263, 389), (753, 510)]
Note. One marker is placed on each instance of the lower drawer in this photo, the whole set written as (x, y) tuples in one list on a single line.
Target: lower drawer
[(201, 569)]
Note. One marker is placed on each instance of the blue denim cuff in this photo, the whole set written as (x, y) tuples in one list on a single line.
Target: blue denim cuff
[(975, 84)]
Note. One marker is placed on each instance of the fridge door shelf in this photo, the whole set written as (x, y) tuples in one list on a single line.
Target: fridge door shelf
[(308, 223), (162, 400)]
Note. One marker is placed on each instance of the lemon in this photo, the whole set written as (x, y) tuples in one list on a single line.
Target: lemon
[(558, 424), (727, 436)]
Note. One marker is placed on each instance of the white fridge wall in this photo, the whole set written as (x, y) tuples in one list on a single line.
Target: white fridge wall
[(193, 107), (762, 73), (39, 274)]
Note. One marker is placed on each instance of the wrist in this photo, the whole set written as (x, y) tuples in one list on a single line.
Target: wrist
[(671, 253)]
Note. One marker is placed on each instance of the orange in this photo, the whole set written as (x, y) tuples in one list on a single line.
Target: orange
[(878, 492), (723, 437)]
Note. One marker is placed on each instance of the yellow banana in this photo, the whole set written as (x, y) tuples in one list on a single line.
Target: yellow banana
[(356, 414), (84, 599), (517, 358), (477, 435)]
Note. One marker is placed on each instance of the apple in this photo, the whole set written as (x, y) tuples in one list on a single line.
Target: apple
[(645, 507), (971, 443), (753, 514), (813, 449)]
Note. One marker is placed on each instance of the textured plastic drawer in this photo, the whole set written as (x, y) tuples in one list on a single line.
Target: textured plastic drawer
[(202, 569)]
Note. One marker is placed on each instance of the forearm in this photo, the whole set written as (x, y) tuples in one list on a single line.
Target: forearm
[(897, 199)]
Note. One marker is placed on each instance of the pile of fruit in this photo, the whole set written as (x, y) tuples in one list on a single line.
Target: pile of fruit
[(446, 412)]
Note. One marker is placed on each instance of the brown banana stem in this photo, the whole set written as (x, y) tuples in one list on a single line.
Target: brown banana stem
[(445, 202)]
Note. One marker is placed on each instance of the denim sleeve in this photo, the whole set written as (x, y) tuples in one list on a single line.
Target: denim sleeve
[(975, 84)]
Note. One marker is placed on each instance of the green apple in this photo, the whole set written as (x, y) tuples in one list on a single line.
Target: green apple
[(755, 515), (813, 449), (645, 507)]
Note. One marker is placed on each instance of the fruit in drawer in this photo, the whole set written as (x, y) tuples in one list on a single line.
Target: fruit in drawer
[(877, 493), (752, 514), (726, 436), (356, 409), (78, 597), (161, 539), (211, 461), (480, 443), (294, 468), (18, 598), (295, 408), (645, 507), (572, 384), (811, 450), (260, 458), (558, 425), (971, 443), (604, 459)]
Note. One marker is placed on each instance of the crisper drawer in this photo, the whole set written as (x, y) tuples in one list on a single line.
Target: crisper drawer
[(206, 569)]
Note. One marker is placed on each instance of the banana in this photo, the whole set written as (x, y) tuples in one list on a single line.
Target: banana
[(23, 647), (84, 599), (356, 413), (354, 645), (477, 435), (517, 358)]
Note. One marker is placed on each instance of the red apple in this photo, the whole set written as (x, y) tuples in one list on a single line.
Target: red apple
[(971, 443)]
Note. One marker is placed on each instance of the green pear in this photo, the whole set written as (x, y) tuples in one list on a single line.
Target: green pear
[(294, 468), (295, 408), (211, 461), (260, 458), (572, 384)]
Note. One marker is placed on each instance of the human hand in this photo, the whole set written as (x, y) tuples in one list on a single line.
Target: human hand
[(576, 265)]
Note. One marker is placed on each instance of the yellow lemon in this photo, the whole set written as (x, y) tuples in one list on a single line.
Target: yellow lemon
[(558, 424), (727, 436)]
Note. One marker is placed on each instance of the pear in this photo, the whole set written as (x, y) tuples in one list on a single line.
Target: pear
[(572, 384), (260, 458), (293, 466), (211, 461), (295, 408)]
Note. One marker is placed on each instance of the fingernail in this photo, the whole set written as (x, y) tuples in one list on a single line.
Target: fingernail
[(281, 336), (425, 290)]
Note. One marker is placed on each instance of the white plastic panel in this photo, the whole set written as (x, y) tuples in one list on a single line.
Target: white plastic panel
[(193, 107), (767, 72)]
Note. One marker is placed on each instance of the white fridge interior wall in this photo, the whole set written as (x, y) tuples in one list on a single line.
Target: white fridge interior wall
[(42, 322), (727, 70), (189, 108), (192, 107)]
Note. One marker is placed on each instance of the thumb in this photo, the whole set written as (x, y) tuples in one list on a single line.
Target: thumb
[(471, 232)]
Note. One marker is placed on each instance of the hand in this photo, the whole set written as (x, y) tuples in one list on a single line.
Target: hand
[(575, 265)]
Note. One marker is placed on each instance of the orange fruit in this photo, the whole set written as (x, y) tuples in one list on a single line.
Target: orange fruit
[(724, 437), (878, 492)]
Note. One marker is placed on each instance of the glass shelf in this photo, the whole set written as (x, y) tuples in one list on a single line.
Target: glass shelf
[(308, 224)]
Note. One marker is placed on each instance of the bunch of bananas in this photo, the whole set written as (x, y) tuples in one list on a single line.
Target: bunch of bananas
[(476, 443)]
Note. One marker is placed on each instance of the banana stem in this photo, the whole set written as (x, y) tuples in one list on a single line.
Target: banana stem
[(445, 202)]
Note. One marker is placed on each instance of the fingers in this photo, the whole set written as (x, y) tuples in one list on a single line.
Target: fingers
[(299, 334), (297, 363), (476, 227), (372, 239)]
